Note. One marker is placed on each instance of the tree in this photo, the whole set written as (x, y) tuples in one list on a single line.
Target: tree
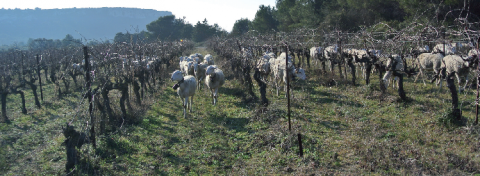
[(70, 41), (169, 28), (202, 31), (162, 28), (240, 27), (120, 37), (283, 14), (264, 20)]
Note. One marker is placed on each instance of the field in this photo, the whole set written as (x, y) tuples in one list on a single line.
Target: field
[(345, 129)]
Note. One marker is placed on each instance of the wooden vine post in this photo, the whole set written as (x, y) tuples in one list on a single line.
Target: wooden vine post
[(478, 84), (288, 88), (89, 95), (39, 77)]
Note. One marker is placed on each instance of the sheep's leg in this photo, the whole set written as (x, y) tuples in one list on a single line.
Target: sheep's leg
[(184, 103), (466, 82), (191, 104), (418, 74), (394, 81), (386, 78), (459, 82), (211, 95), (215, 97), (276, 84), (397, 81), (423, 78)]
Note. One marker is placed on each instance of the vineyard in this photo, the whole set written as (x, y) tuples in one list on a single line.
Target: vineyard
[(122, 117)]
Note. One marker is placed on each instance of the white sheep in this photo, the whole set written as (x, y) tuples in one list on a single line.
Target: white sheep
[(214, 80), (316, 54), (461, 66), (199, 70), (360, 54), (200, 57), (282, 74), (185, 88), (429, 62), (271, 54), (419, 50), (78, 67), (263, 66), (449, 49), (473, 52), (399, 67), (274, 62), (208, 59), (331, 53), (186, 67), (461, 47)]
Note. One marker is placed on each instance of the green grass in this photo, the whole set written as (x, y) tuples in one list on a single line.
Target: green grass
[(345, 130)]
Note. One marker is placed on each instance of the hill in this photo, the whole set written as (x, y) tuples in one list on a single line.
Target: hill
[(92, 23)]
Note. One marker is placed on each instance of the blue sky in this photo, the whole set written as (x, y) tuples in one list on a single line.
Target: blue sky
[(222, 12)]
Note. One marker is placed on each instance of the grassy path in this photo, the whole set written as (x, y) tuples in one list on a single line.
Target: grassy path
[(345, 129)]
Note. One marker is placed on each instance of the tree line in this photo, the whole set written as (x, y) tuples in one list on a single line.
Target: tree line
[(170, 28), (354, 15)]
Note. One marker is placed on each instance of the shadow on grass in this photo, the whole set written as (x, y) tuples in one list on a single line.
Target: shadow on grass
[(237, 124)]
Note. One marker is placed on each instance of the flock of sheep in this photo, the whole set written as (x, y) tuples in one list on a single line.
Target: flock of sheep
[(458, 59), (192, 71), (196, 68), (455, 58), (281, 71)]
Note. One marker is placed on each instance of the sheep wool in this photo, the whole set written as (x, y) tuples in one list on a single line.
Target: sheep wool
[(185, 87), (398, 67), (429, 62), (214, 80), (199, 70), (461, 67)]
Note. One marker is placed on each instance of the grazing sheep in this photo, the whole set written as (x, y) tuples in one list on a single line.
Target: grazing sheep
[(199, 70), (271, 54), (199, 57), (316, 53), (449, 49), (461, 66), (290, 73), (78, 67), (186, 67), (473, 52), (462, 48), (263, 66), (393, 59), (357, 56), (214, 80), (429, 62), (208, 59), (419, 50), (185, 88)]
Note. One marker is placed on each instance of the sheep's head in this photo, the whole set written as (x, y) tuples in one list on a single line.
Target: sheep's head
[(177, 75), (191, 65), (300, 73), (195, 67), (210, 69), (392, 60), (470, 61)]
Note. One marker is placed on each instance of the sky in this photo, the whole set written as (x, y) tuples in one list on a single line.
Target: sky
[(222, 12)]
